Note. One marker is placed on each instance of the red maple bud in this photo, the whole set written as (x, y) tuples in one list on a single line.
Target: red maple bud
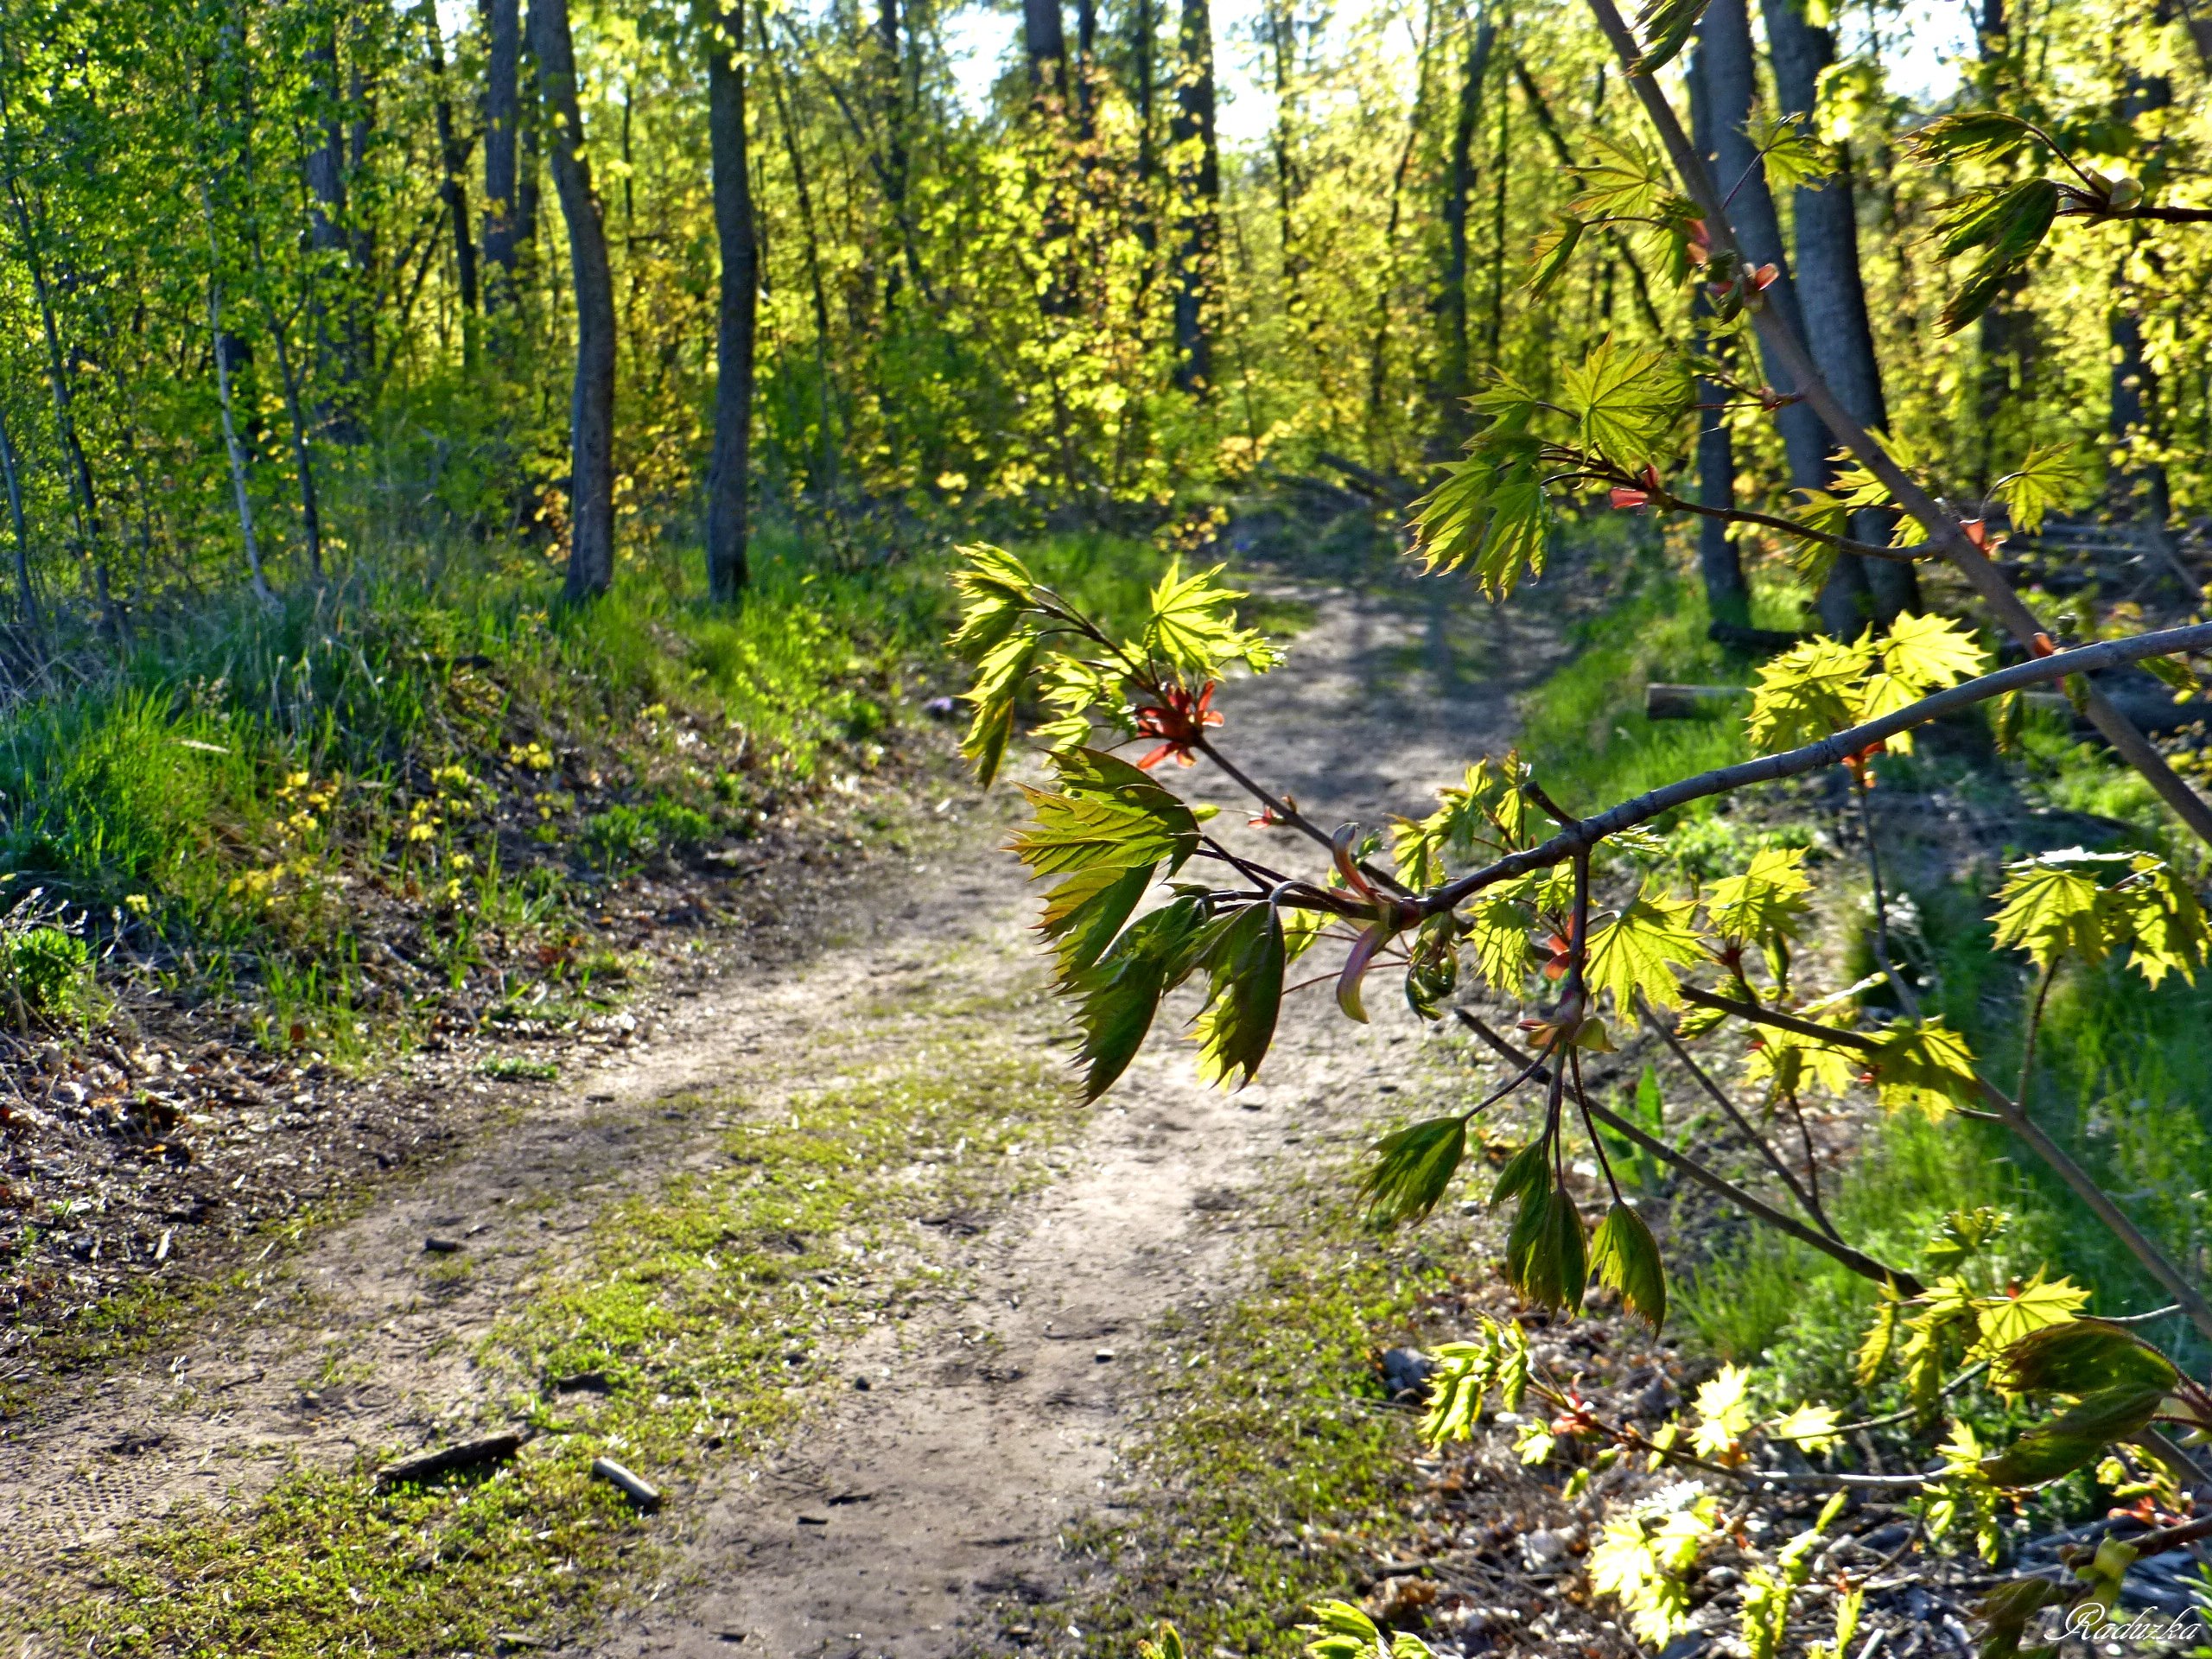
[(1977, 532), (1178, 725), (1770, 400), (1763, 277), (1560, 952), (1623, 498), (1701, 241), (2043, 645), (1270, 817)]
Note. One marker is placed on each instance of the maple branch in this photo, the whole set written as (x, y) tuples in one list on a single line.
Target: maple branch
[(1865, 1266), (1945, 533), (2007, 1111), (1813, 757), (1774, 1160)]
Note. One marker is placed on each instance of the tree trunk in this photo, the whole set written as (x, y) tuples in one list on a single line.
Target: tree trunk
[(1144, 31), (1044, 43), (1198, 251), (826, 484), (2006, 333), (728, 478), (452, 190), (231, 446), (1494, 321), (2138, 491), (502, 113), (591, 439), (897, 168), (1086, 60), (1729, 78), (26, 598), (1455, 382), (1831, 288), (1728, 595)]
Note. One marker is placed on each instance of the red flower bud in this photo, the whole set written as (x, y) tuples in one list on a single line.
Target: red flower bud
[(1623, 498)]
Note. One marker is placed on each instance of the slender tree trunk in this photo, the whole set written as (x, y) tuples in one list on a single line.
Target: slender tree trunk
[(728, 478), (325, 171), (26, 598), (83, 498), (2139, 490), (1728, 595), (1144, 32), (1086, 70), (1494, 321), (296, 415), (1281, 23), (231, 446), (502, 112), (1831, 288), (2006, 333), (897, 168), (1379, 442), (826, 484), (591, 475), (453, 188), (1198, 251), (1455, 382), (529, 154), (1730, 74)]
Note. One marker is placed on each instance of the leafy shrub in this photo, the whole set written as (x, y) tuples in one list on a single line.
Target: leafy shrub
[(48, 974)]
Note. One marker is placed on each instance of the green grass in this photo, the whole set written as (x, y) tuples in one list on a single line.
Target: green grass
[(428, 749), (1584, 726), (709, 1304)]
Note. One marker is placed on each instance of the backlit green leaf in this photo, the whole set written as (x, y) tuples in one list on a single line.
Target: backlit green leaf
[(1413, 1168), (1625, 1257)]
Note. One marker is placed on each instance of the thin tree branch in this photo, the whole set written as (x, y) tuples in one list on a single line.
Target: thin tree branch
[(1866, 1265), (1795, 763), (1743, 1127)]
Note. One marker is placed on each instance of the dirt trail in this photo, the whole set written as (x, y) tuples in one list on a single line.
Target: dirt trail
[(990, 1416)]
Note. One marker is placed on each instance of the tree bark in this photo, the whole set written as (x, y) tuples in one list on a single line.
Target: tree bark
[(591, 440), (1197, 250), (231, 446), (1831, 287), (453, 189), (1144, 30), (502, 114), (26, 597), (1720, 566), (2006, 333), (1456, 381), (728, 476), (2138, 492), (1731, 79), (1044, 43)]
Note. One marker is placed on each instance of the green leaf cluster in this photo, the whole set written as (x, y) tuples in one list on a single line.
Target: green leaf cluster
[(1822, 686), (2054, 907)]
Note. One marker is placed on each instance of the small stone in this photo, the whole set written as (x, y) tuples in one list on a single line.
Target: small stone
[(1103, 1355), (861, 1383), (438, 1244), (1405, 1373)]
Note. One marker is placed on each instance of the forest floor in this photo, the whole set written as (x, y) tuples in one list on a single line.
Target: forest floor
[(921, 1405)]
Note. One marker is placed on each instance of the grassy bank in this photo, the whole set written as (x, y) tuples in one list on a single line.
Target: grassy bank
[(330, 816)]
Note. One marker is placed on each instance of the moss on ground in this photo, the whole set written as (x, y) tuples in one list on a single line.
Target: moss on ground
[(708, 1306)]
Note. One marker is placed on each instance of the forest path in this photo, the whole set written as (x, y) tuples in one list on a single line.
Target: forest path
[(899, 1511), (988, 1425)]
